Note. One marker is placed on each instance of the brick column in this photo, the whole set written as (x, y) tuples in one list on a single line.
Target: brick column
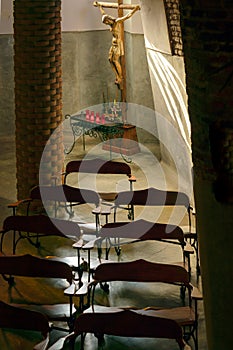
[(38, 89), (208, 54)]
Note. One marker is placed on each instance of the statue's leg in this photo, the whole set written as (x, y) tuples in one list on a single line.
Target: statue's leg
[(114, 58), (117, 65)]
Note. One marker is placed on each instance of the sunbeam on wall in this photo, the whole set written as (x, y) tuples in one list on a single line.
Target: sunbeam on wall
[(167, 75), (172, 90)]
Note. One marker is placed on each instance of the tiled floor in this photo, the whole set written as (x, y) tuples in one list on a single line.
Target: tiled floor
[(120, 294)]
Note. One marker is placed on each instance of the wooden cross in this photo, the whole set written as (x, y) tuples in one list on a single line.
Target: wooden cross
[(120, 7)]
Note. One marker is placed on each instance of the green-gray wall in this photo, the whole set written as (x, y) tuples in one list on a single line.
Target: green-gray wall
[(86, 73)]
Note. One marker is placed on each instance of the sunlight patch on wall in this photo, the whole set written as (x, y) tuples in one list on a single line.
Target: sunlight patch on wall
[(170, 86), (167, 72)]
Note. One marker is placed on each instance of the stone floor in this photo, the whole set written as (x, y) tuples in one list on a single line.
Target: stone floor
[(149, 172)]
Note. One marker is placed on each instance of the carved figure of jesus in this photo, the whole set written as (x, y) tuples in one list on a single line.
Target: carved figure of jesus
[(117, 48)]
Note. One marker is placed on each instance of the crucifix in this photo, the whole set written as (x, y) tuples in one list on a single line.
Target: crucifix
[(117, 50)]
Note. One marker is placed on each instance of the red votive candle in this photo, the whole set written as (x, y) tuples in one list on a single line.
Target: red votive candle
[(97, 117), (103, 119), (92, 116), (87, 114)]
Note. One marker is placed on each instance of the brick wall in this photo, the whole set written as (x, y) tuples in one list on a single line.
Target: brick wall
[(38, 89), (172, 9), (208, 49), (208, 54)]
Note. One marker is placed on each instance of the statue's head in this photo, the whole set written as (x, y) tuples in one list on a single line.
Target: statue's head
[(107, 19)]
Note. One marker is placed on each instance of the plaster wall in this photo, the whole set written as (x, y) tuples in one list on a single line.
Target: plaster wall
[(7, 116), (6, 17), (83, 16), (167, 75), (87, 74)]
